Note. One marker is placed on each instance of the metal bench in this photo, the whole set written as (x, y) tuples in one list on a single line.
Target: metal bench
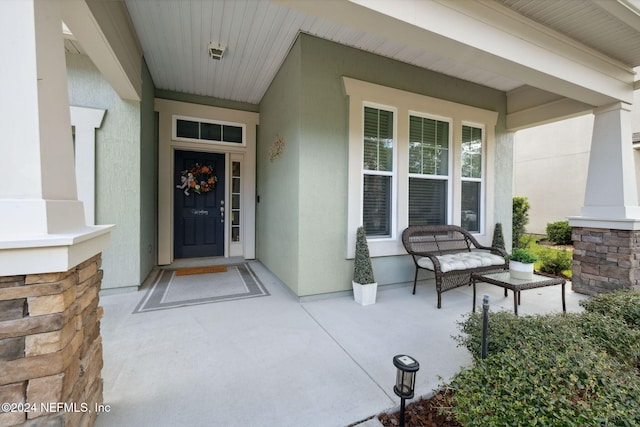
[(452, 254)]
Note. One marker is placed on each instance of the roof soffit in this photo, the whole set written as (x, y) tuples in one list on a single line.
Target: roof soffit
[(511, 45)]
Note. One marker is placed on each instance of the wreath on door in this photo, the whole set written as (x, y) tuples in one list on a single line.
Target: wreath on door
[(199, 179)]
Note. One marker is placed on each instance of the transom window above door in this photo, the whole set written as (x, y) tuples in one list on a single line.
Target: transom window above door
[(193, 129)]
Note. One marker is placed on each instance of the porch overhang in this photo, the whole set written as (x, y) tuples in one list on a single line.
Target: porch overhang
[(566, 78), (108, 38)]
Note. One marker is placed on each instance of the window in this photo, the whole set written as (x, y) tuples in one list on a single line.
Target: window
[(471, 178), (235, 201), (209, 131), (377, 169), (415, 160), (428, 171)]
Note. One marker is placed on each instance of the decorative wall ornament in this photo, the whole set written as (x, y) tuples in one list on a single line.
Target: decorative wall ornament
[(276, 149), (199, 179)]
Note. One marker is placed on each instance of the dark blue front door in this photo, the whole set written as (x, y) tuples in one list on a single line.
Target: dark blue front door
[(199, 205)]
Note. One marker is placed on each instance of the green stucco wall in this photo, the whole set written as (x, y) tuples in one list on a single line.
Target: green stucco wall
[(148, 176), (278, 219), (315, 118), (119, 165), (503, 201)]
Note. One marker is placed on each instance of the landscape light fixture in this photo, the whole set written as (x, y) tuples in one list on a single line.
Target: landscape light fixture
[(407, 367), (216, 50)]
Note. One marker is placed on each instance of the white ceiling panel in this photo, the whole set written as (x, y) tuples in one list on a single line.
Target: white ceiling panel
[(258, 34), (594, 23)]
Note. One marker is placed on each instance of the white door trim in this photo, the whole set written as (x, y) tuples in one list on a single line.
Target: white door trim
[(167, 109)]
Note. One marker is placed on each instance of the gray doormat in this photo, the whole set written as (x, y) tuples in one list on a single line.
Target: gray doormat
[(171, 291)]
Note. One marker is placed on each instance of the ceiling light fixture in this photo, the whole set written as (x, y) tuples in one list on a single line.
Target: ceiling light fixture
[(216, 50)]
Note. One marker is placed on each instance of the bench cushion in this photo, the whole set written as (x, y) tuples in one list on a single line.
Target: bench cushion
[(463, 261)]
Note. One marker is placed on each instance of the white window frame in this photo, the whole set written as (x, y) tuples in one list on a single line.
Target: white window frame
[(175, 137), (393, 174), (481, 180), (235, 248), (450, 162), (362, 93)]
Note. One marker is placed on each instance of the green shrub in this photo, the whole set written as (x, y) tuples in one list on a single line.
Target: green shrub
[(559, 232), (520, 206), (613, 335), (509, 331), (545, 387), (554, 370), (623, 304), (555, 262)]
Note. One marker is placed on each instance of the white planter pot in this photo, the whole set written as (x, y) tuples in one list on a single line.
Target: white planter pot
[(364, 294), (519, 270)]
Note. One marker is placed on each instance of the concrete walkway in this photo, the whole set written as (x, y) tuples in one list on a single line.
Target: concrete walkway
[(277, 361)]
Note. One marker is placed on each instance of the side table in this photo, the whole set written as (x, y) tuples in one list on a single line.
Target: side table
[(504, 280)]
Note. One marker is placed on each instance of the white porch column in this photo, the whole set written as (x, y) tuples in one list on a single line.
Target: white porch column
[(86, 121), (606, 255), (611, 197), (42, 224)]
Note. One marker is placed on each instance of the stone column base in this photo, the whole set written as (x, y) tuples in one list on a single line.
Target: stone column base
[(50, 347), (605, 260)]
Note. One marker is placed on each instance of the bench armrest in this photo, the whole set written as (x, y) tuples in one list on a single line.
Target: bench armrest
[(492, 249), (434, 259)]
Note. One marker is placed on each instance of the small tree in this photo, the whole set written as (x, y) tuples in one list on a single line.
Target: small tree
[(498, 237), (362, 270), (520, 218)]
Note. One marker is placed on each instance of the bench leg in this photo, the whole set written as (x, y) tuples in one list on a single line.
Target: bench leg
[(473, 281)]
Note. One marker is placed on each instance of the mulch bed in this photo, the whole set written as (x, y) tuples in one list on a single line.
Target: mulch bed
[(423, 413)]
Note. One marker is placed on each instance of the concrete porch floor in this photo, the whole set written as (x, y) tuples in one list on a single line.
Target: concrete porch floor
[(278, 361)]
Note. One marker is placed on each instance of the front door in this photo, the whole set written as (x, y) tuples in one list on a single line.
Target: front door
[(198, 204)]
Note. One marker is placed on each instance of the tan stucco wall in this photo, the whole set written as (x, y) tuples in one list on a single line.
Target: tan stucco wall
[(550, 169)]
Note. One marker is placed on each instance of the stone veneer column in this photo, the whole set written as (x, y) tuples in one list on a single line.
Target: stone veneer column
[(606, 234), (50, 346), (605, 260)]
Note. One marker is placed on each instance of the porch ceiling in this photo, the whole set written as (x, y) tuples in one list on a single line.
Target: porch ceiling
[(608, 26), (174, 35)]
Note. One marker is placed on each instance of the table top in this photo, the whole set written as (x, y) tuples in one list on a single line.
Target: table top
[(504, 279)]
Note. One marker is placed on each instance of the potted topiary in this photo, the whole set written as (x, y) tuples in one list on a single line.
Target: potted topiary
[(498, 237), (365, 287), (521, 264)]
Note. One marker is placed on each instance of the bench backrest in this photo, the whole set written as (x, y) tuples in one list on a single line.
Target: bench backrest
[(437, 239)]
